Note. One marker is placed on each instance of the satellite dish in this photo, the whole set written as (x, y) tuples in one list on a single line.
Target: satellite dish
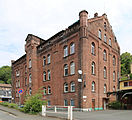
[(80, 72)]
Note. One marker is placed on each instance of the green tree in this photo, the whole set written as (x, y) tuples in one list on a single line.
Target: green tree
[(5, 74), (126, 59)]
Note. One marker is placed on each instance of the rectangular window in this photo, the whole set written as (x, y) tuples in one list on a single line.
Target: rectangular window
[(72, 48), (48, 75), (65, 103), (72, 103), (125, 84), (44, 61), (30, 79), (49, 103), (99, 34)]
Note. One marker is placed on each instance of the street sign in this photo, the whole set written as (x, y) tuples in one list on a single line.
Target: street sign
[(20, 91)]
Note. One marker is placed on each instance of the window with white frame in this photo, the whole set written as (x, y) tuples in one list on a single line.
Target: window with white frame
[(30, 78), (48, 58), (49, 90), (93, 86), (44, 61), (105, 88), (72, 87), (105, 72), (72, 102), (104, 55), (44, 76), (30, 63), (65, 103), (65, 51), (65, 87), (93, 48), (72, 68), (93, 68), (44, 90), (30, 91), (110, 41), (114, 89), (72, 48), (114, 75), (114, 60), (105, 38), (65, 70), (99, 34), (49, 76)]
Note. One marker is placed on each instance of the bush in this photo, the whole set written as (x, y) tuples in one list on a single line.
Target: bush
[(33, 104), (131, 76), (4, 103), (13, 105), (115, 105)]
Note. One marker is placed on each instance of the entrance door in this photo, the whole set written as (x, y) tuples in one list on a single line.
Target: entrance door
[(93, 104)]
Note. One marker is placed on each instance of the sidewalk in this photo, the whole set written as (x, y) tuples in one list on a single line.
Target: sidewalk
[(23, 116)]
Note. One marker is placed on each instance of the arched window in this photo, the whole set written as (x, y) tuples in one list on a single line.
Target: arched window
[(93, 68), (44, 76), (105, 38), (114, 76), (65, 70), (105, 55), (114, 60), (30, 78), (72, 87), (105, 88), (49, 75), (114, 89), (65, 51), (44, 61), (99, 34), (44, 90), (48, 56), (72, 68), (49, 90), (72, 48), (93, 48), (110, 41), (30, 63), (65, 87), (93, 86), (105, 72), (30, 91)]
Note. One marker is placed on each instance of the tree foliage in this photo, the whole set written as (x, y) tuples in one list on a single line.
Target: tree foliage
[(5, 75), (126, 60)]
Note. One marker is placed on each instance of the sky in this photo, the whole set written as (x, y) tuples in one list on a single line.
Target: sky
[(44, 18)]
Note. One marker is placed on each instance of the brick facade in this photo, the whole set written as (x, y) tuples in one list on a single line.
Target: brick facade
[(90, 53)]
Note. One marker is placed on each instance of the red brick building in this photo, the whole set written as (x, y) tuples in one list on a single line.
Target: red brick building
[(88, 45)]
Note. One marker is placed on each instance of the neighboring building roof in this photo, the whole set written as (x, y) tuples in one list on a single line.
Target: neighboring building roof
[(5, 85)]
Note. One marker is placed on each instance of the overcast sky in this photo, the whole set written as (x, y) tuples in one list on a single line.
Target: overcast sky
[(44, 18)]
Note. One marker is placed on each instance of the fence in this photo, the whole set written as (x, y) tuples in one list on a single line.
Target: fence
[(58, 109)]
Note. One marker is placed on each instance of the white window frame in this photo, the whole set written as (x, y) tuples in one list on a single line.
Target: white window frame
[(49, 75), (72, 68), (49, 90), (72, 102), (72, 87), (93, 48), (65, 69), (72, 48), (99, 34), (105, 72), (93, 86), (48, 57), (30, 78), (65, 102), (44, 91), (93, 68), (44, 76), (105, 88), (65, 51), (65, 87), (30, 63), (105, 38)]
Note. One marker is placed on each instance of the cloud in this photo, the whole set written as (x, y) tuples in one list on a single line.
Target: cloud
[(44, 18)]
